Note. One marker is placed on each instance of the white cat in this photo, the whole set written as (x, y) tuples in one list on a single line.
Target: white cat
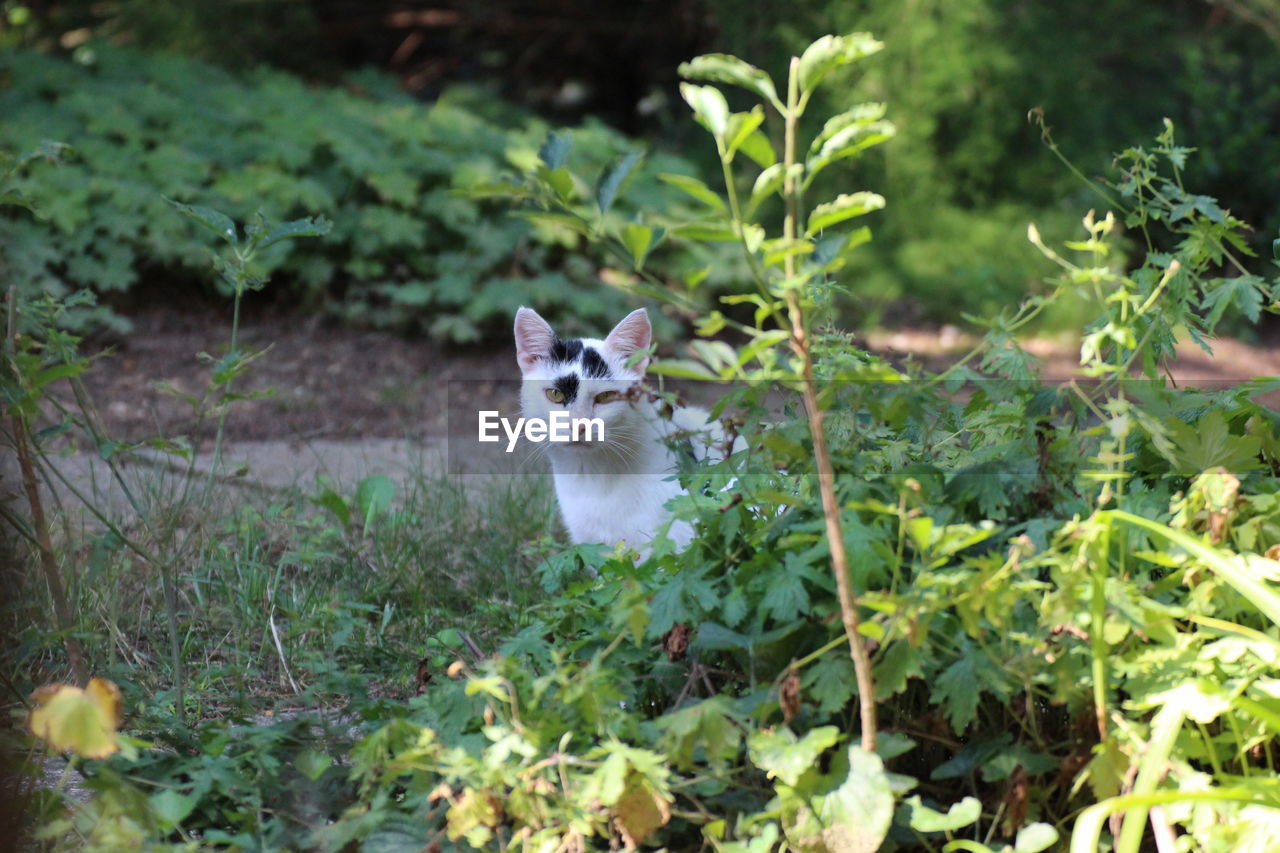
[(616, 489)]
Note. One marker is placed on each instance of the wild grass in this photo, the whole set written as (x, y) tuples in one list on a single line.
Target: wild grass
[(276, 591)]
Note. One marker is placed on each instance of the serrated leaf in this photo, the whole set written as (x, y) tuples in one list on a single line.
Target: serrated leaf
[(555, 149), (1208, 444), (845, 206), (316, 226), (171, 807), (830, 52), (709, 108), (723, 68), (612, 179), (218, 223), (957, 689)]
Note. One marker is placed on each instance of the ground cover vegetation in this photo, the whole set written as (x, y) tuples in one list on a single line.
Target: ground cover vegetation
[(956, 611), (409, 250), (962, 76)]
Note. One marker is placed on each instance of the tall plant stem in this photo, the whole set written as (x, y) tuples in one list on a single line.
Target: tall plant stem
[(48, 560), (801, 345)]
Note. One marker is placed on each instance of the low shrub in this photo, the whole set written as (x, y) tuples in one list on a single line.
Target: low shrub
[(409, 249)]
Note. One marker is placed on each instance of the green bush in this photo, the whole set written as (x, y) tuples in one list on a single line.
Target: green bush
[(408, 249), (966, 171)]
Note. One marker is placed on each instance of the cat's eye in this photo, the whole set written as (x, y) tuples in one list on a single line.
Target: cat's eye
[(606, 397), (555, 395)]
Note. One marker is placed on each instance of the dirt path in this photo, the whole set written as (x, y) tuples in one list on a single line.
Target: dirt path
[(347, 403)]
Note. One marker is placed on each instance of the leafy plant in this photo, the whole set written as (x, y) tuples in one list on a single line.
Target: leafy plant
[(1065, 593), (409, 248)]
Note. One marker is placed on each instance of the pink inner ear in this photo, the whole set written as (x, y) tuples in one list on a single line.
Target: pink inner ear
[(533, 338), (631, 335)]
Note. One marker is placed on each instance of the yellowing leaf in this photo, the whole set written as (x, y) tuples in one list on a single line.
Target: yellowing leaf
[(83, 721), (639, 811)]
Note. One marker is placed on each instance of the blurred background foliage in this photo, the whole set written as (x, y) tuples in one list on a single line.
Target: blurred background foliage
[(373, 113)]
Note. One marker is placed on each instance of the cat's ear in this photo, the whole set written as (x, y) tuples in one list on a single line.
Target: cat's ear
[(534, 338), (630, 336)]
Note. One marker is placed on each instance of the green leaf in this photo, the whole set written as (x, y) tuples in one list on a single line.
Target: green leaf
[(845, 206), (316, 226), (312, 763), (1208, 444), (961, 814), (722, 68), (1239, 571), (1034, 838), (682, 369), (709, 108), (1244, 292), (555, 149), (612, 179), (336, 504), (957, 688), (758, 147), (695, 188), (218, 223), (830, 52), (562, 220), (171, 808), (855, 817), (780, 754), (639, 240), (768, 182), (374, 495), (739, 128), (707, 725)]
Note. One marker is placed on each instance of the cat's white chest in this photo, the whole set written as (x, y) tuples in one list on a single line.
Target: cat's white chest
[(612, 508)]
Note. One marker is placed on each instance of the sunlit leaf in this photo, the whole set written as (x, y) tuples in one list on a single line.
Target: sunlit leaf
[(845, 206), (722, 68), (830, 52), (709, 107), (82, 721)]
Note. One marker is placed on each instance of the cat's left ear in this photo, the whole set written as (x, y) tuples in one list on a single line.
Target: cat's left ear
[(630, 336), (534, 338)]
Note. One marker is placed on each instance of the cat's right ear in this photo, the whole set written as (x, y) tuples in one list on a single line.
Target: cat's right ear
[(534, 338)]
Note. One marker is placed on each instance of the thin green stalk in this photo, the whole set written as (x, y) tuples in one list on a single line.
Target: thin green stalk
[(1097, 640), (1151, 769)]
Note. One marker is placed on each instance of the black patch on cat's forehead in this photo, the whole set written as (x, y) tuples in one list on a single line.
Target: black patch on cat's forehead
[(568, 386), (593, 366), (562, 351)]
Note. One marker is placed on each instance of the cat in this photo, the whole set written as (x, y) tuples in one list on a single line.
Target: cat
[(613, 490)]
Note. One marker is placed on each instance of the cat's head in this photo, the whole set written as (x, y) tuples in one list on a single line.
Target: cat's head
[(585, 377)]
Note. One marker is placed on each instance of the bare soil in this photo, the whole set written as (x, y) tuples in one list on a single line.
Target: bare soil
[(322, 381)]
